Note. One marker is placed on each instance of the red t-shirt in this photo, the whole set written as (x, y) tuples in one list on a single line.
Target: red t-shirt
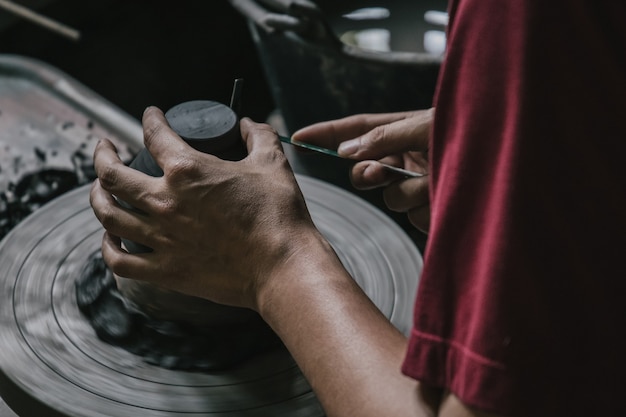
[(521, 308)]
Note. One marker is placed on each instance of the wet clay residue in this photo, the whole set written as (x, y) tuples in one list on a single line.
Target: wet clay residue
[(33, 191), (169, 344)]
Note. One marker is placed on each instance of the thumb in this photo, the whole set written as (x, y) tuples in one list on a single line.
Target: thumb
[(261, 139), (159, 138)]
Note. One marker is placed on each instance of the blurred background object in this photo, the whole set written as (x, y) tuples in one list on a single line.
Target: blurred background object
[(326, 60), (150, 52)]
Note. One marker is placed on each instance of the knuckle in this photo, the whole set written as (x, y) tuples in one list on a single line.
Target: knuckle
[(166, 206), (266, 128), (180, 167), (118, 266), (150, 132), (106, 217), (108, 176), (361, 119), (115, 262), (406, 195), (277, 156), (378, 135)]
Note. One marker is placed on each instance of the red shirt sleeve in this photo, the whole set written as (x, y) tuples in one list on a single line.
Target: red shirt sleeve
[(520, 308)]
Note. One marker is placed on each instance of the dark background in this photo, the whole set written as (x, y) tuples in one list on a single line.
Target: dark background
[(137, 53)]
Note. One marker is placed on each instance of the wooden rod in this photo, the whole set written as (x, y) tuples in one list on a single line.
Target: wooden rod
[(41, 20)]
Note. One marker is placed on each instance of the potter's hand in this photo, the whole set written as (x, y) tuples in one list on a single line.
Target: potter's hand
[(218, 229), (399, 139)]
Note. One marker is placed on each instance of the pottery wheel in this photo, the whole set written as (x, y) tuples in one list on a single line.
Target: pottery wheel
[(52, 363)]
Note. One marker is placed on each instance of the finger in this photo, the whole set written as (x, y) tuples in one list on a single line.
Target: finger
[(135, 266), (120, 221), (261, 139), (168, 149), (420, 217), (404, 135), (413, 161), (366, 175), (124, 182), (331, 133), (408, 194)]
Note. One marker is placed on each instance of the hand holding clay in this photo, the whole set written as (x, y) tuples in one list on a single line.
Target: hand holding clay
[(398, 139), (218, 229)]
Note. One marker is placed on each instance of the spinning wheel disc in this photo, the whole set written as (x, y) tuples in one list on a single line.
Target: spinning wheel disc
[(52, 363)]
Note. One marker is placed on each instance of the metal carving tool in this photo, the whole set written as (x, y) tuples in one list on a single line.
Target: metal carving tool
[(319, 149)]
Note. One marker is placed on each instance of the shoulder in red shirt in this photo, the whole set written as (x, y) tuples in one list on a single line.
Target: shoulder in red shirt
[(521, 309)]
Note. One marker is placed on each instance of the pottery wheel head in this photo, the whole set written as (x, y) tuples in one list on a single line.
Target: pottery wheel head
[(53, 364)]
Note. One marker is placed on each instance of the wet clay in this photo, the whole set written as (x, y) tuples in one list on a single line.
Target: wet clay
[(166, 343)]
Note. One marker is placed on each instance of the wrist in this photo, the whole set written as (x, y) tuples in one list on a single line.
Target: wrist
[(311, 265)]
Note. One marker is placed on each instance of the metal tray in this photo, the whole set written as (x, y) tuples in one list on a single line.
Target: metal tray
[(49, 126), (49, 122)]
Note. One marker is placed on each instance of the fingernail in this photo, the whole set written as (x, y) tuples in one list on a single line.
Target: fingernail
[(349, 147), (146, 110)]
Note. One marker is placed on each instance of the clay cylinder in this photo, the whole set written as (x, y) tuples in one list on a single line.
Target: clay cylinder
[(209, 127)]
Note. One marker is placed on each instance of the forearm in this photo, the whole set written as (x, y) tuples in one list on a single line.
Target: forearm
[(347, 349)]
